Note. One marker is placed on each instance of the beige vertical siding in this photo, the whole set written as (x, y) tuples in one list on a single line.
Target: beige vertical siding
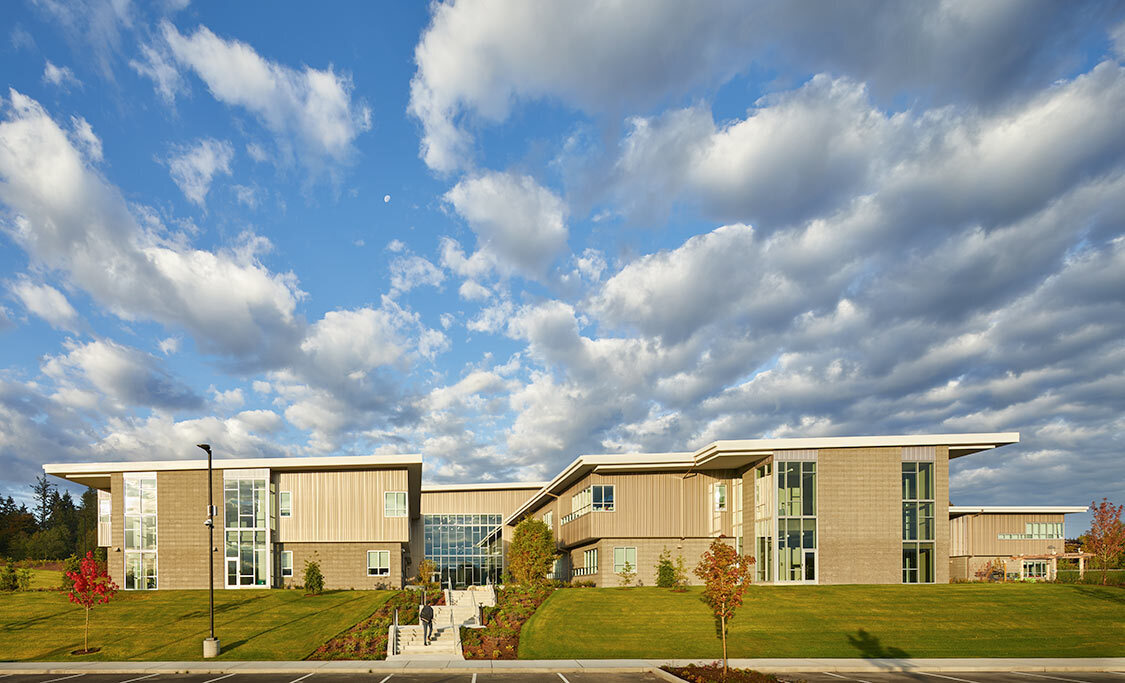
[(342, 506), (859, 515), (475, 502), (977, 535)]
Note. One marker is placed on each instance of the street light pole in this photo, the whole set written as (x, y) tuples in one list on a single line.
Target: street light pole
[(210, 644)]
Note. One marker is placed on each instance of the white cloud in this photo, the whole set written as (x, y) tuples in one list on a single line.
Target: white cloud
[(124, 375), (227, 400), (160, 67), (248, 434), (408, 272), (192, 167), (60, 76), (471, 290), (247, 196), (46, 302), (83, 135), (515, 219), (169, 345), (347, 343), (1117, 36), (70, 220), (311, 109)]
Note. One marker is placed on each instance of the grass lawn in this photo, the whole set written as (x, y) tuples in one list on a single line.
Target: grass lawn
[(171, 625), (948, 620)]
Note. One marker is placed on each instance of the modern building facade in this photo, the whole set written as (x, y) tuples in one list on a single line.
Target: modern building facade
[(1028, 540), (810, 511)]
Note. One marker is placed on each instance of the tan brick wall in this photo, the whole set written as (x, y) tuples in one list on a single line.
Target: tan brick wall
[(941, 515), (115, 556), (343, 564), (648, 552), (859, 515), (181, 537)]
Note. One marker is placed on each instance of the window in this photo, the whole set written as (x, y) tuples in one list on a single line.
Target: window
[(549, 520), (140, 531), (1036, 531), (379, 562), (394, 504), (590, 560), (623, 556), (918, 529), (720, 497), (602, 498), (287, 563), (246, 526), (285, 504), (468, 549), (764, 526), (796, 521), (1035, 569)]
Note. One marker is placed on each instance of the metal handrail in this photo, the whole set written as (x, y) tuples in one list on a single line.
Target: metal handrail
[(394, 635)]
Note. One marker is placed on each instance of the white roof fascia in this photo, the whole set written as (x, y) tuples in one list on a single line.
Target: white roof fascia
[(484, 486), (954, 441), (1017, 509), (340, 461)]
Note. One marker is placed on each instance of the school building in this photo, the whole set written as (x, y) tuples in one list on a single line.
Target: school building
[(825, 510)]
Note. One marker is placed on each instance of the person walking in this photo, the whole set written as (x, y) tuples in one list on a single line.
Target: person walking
[(427, 618)]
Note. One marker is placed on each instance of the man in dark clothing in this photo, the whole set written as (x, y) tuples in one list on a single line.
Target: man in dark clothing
[(427, 618)]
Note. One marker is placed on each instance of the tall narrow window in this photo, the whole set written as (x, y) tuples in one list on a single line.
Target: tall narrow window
[(140, 531), (549, 519), (720, 497), (394, 504), (285, 504), (245, 502), (918, 527), (590, 560), (378, 563), (796, 521), (287, 563)]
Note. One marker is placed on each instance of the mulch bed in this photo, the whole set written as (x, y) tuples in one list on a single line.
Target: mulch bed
[(368, 638)]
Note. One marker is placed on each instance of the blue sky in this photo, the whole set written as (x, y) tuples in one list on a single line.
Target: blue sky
[(504, 235)]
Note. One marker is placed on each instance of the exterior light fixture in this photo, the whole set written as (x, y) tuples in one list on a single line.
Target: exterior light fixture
[(211, 643)]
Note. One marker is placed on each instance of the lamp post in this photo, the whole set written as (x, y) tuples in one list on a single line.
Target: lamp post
[(211, 643)]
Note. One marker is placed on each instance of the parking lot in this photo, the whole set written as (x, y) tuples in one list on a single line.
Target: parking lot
[(335, 678)]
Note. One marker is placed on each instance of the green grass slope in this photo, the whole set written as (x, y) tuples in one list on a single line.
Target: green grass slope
[(949, 620), (171, 625)]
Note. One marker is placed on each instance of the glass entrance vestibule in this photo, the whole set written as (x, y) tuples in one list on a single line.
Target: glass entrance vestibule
[(246, 507)]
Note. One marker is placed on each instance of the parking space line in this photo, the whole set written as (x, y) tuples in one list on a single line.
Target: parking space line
[(1053, 678), (474, 678), (63, 678), (298, 680), (829, 673), (387, 678), (219, 678), (562, 677), (139, 678), (952, 678)]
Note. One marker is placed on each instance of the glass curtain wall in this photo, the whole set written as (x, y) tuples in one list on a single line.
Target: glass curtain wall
[(140, 531), (763, 522), (796, 521), (918, 530), (245, 499), (468, 549)]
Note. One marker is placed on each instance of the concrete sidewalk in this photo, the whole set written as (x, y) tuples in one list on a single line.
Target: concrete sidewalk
[(437, 665)]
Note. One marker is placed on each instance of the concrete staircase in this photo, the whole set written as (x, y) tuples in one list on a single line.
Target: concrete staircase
[(462, 609)]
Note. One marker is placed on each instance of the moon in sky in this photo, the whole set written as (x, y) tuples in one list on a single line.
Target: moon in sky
[(386, 199)]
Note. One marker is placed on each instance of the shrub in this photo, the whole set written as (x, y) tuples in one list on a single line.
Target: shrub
[(314, 580), (9, 578), (681, 575), (500, 638), (23, 579), (665, 570), (627, 574), (70, 564)]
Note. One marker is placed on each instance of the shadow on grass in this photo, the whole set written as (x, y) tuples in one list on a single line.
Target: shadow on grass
[(1102, 592), (870, 648), (33, 621), (221, 609)]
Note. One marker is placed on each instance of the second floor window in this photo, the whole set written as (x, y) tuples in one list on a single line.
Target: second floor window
[(285, 504), (602, 497), (394, 504), (720, 497)]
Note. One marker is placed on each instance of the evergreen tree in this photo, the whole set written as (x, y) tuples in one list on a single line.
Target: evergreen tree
[(42, 488)]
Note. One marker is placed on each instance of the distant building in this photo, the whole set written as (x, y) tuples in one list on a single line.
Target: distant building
[(828, 510)]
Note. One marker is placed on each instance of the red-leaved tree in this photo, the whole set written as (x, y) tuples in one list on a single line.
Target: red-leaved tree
[(1106, 538), (92, 586), (725, 576)]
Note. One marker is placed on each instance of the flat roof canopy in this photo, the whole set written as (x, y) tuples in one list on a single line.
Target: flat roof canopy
[(961, 510)]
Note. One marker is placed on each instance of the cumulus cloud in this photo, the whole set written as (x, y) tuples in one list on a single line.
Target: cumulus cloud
[(70, 220), (519, 223), (60, 76), (192, 167), (159, 66), (309, 111), (408, 272), (477, 60), (46, 302), (124, 376)]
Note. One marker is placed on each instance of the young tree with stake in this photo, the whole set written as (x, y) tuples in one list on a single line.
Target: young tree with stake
[(725, 577), (92, 586)]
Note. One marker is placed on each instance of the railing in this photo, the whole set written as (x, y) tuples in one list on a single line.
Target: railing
[(576, 514), (392, 637), (583, 571)]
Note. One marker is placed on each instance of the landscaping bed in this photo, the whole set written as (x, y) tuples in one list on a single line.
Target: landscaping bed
[(500, 638), (713, 673), (368, 638)]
